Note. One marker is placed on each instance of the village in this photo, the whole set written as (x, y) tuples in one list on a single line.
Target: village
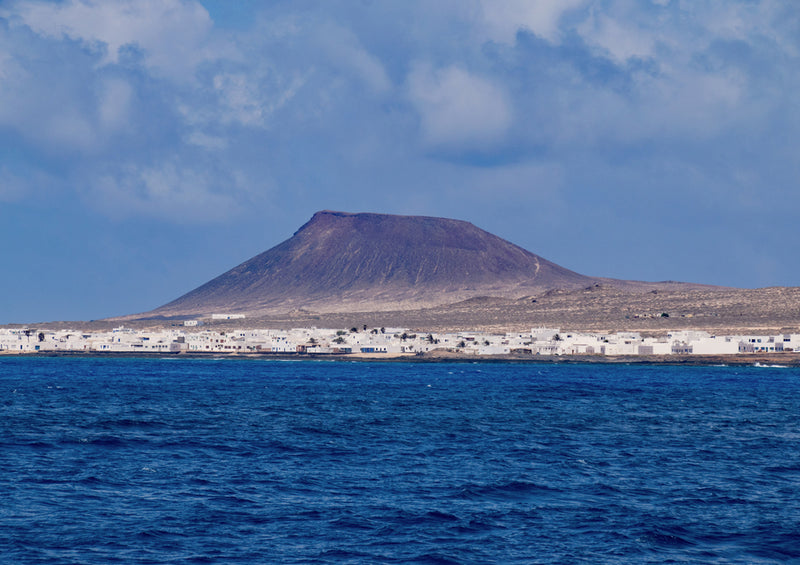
[(192, 339)]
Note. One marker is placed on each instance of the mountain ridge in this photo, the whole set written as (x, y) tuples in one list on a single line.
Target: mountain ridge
[(341, 261)]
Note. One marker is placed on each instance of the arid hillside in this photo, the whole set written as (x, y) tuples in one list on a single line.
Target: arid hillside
[(341, 262), (596, 308)]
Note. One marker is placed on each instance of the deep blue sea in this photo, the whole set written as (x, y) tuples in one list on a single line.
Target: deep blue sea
[(248, 461)]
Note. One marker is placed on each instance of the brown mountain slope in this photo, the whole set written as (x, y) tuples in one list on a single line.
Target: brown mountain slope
[(358, 262)]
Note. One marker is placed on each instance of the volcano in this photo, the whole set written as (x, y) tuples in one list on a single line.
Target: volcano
[(339, 262)]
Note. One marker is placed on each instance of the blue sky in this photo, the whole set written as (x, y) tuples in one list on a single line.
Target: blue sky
[(148, 146)]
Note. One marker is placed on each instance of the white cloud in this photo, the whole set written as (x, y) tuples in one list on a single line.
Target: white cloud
[(459, 110), (57, 106), (340, 82), (210, 142), (173, 34), (251, 99), (504, 18), (242, 99), (171, 191), (71, 129), (698, 104), (114, 104), (619, 37), (343, 49)]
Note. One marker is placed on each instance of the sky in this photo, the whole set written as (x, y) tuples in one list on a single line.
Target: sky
[(149, 146)]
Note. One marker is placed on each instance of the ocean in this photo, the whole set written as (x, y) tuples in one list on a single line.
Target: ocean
[(255, 461)]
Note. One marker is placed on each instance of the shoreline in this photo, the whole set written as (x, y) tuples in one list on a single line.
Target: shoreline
[(789, 360)]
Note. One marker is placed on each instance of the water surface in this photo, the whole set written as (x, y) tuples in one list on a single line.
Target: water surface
[(202, 461)]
